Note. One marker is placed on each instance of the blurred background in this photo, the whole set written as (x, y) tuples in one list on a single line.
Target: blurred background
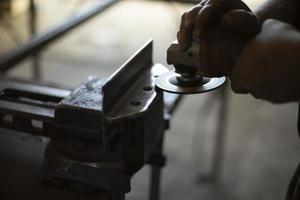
[(261, 148)]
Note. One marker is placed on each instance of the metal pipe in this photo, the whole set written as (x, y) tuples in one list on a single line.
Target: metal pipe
[(155, 174), (32, 24), (220, 135), (40, 41)]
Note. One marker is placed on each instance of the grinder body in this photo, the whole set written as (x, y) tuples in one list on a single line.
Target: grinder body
[(186, 77)]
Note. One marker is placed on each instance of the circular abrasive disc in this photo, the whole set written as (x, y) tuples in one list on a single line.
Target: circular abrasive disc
[(168, 82)]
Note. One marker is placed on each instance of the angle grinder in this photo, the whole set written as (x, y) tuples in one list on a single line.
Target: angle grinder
[(185, 79), (223, 45)]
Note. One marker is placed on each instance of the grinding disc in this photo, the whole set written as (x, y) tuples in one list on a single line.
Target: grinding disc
[(169, 83)]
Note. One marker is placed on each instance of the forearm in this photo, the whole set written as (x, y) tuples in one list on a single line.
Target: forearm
[(283, 10)]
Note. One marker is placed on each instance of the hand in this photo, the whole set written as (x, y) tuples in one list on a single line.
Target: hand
[(200, 18), (222, 28), (269, 66)]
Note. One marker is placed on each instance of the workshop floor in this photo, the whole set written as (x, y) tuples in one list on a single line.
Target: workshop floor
[(262, 147)]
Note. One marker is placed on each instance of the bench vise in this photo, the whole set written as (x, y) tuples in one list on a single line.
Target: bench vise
[(102, 132)]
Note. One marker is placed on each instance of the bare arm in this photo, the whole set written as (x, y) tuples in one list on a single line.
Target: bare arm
[(283, 10)]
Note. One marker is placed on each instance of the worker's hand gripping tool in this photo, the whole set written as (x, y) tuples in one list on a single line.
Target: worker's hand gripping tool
[(225, 46)]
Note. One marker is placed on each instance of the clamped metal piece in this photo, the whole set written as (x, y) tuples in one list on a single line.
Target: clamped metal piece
[(186, 79)]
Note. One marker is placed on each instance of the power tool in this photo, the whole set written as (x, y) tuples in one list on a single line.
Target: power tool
[(185, 79), (222, 45)]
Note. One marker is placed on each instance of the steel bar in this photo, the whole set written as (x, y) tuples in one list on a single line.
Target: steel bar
[(42, 40)]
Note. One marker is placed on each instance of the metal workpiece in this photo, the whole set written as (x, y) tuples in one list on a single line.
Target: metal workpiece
[(133, 86)]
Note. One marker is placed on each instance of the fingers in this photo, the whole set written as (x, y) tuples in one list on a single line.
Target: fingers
[(181, 34), (241, 21), (186, 29), (208, 16), (222, 46), (199, 19), (211, 13)]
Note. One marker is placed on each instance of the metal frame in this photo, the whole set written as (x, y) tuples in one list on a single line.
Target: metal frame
[(32, 22), (42, 40)]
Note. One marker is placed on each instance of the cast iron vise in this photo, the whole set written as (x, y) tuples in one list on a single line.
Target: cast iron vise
[(102, 132)]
